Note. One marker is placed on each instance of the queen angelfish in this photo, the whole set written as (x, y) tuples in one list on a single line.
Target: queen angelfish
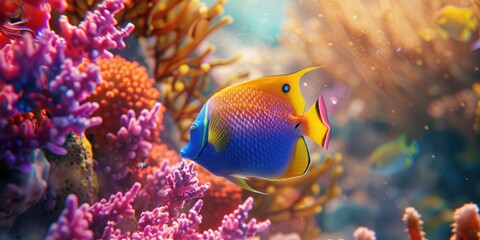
[(256, 129)]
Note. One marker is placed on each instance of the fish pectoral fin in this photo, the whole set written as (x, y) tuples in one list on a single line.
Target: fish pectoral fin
[(300, 160), (219, 133), (241, 181)]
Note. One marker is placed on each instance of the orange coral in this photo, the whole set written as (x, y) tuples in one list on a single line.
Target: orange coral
[(413, 224), (465, 227), (467, 223), (173, 33), (125, 86)]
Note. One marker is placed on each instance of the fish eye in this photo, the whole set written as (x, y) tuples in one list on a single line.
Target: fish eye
[(286, 88), (193, 127)]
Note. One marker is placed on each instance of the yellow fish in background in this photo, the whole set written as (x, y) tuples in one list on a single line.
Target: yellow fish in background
[(457, 23), (394, 156)]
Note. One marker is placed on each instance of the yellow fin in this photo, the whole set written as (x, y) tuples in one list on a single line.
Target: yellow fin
[(318, 128), (219, 133), (286, 86), (300, 160), (241, 181), (465, 35)]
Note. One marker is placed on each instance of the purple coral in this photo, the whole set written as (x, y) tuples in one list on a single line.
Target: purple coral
[(234, 225), (73, 223), (115, 209), (40, 73), (129, 142), (183, 187), (165, 222), (96, 33)]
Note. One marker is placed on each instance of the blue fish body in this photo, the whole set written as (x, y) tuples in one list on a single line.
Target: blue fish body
[(256, 129)]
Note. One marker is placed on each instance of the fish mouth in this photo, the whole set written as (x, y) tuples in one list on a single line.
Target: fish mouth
[(184, 154)]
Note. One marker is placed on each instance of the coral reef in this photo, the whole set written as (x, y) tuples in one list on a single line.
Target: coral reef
[(161, 222), (299, 198), (466, 225), (73, 223), (30, 16), (81, 179), (125, 149), (173, 34), (125, 85), (20, 190), (42, 95), (222, 197), (388, 53)]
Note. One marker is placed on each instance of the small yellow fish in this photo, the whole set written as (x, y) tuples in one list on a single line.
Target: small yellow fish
[(394, 156), (457, 23)]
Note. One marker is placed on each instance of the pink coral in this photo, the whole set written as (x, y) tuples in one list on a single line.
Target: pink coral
[(363, 233), (73, 223)]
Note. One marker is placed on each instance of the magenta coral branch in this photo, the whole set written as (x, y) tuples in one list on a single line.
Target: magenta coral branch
[(96, 33), (183, 187), (115, 209), (73, 223), (234, 225), (129, 142), (39, 73)]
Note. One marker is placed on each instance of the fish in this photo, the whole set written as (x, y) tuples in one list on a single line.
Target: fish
[(457, 23), (394, 156), (257, 128)]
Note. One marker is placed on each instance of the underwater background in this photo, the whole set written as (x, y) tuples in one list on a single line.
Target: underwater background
[(97, 97)]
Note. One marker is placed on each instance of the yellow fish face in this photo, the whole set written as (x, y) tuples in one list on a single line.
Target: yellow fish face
[(456, 23)]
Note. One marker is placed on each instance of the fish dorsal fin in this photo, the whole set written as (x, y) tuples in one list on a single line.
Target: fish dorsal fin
[(219, 133), (241, 181), (300, 160), (285, 86)]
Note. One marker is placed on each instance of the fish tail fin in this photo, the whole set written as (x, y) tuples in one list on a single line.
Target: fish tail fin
[(318, 128)]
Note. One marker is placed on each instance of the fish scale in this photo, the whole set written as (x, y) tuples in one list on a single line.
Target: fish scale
[(263, 135)]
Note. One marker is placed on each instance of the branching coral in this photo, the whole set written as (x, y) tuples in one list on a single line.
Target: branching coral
[(72, 223), (174, 33), (466, 225), (299, 197), (387, 52), (128, 147), (161, 222), (43, 74), (42, 95)]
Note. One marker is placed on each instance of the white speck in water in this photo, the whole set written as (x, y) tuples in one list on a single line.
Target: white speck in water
[(333, 100), (426, 127), (433, 155), (305, 84)]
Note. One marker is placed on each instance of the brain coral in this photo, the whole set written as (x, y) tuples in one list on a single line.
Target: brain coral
[(126, 85)]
